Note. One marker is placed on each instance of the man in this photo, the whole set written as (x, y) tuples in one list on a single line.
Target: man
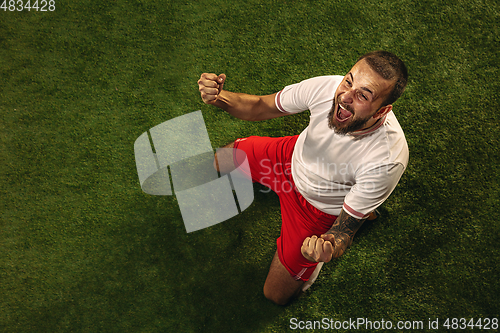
[(332, 176)]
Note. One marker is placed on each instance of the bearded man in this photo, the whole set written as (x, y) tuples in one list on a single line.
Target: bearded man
[(331, 177)]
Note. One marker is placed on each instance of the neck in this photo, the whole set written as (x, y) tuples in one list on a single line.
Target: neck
[(370, 124), (373, 125)]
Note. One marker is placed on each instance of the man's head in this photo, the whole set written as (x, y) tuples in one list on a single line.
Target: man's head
[(367, 92)]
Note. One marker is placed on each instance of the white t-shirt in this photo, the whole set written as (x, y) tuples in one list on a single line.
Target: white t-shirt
[(357, 171)]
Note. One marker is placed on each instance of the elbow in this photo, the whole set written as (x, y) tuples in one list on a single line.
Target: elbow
[(251, 116), (255, 118)]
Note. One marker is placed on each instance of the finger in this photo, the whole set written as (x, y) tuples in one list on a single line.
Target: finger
[(220, 80), (208, 77), (310, 248), (328, 247), (305, 246), (207, 83), (208, 80), (306, 250), (328, 251), (319, 246), (209, 91), (208, 98), (328, 237), (312, 243)]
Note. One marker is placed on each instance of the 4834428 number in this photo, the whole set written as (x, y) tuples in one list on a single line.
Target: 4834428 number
[(462, 324), (20, 5)]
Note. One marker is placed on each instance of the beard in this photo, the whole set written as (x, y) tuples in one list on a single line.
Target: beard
[(352, 125)]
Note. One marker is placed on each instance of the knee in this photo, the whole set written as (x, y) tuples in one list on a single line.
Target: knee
[(276, 297), (223, 159), (216, 164)]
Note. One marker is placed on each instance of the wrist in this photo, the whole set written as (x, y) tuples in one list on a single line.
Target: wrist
[(224, 100)]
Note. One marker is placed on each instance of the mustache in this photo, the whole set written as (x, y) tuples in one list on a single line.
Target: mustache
[(338, 102)]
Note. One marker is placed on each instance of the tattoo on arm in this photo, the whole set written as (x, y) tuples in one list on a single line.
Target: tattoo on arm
[(343, 229)]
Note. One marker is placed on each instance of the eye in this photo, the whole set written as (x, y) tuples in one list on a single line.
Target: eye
[(348, 82), (362, 96)]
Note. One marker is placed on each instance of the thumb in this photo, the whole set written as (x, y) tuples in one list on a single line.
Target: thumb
[(220, 80), (328, 237), (328, 247)]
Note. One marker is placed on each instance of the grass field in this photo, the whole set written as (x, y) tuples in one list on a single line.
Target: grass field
[(83, 249)]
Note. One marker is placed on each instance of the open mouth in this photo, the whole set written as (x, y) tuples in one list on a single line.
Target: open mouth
[(342, 114)]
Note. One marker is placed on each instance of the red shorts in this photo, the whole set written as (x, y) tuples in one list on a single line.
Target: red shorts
[(270, 164)]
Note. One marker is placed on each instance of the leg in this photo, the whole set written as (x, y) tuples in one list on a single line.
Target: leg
[(280, 287), (270, 162), (223, 161), (374, 215)]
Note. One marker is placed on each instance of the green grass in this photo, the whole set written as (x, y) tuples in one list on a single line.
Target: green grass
[(82, 249)]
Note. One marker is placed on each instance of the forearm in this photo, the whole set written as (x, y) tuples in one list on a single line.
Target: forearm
[(343, 230), (333, 243), (341, 243), (242, 106), (239, 105), (247, 107)]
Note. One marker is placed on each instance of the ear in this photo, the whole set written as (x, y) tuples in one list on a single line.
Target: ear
[(382, 111)]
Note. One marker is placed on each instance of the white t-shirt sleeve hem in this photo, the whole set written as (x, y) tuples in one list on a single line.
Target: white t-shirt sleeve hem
[(353, 213), (277, 101)]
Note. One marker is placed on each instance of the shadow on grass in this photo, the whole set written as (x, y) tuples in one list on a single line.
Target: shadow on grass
[(216, 275), (222, 272), (144, 273), (148, 274)]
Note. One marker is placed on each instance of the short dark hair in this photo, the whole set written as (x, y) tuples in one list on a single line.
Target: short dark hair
[(390, 67)]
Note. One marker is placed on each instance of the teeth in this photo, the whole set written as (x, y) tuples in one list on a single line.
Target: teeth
[(341, 115)]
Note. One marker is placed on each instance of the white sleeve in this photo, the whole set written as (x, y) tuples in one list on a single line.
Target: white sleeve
[(372, 188), (302, 96)]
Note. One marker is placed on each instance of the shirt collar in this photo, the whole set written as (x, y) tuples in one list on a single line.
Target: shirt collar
[(370, 129)]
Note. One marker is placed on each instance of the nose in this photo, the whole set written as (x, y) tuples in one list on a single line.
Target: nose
[(347, 97)]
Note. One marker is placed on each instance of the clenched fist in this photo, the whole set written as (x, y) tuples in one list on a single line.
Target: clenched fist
[(210, 86), (321, 249)]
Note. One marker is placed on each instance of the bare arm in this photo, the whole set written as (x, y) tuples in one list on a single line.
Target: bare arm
[(240, 105), (334, 242)]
